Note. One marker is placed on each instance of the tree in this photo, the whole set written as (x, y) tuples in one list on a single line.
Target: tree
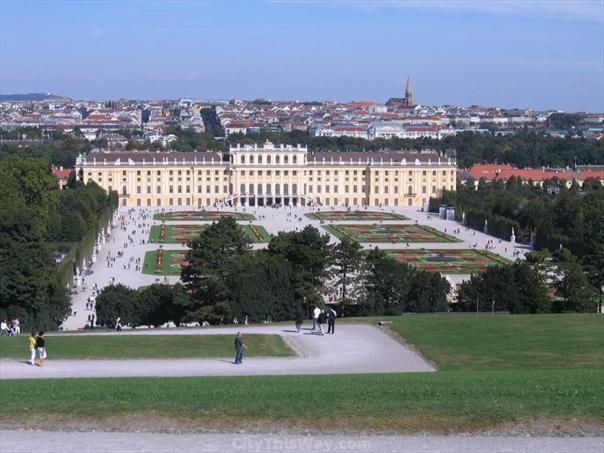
[(206, 275), (155, 303), (308, 252), (573, 285), (517, 288), (261, 287), (347, 270), (593, 264), (387, 285), (118, 301), (428, 293)]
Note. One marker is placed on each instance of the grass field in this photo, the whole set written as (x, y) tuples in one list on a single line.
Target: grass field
[(519, 342), (448, 261), (445, 401), (389, 233), (177, 234), (145, 346), (170, 264), (493, 371), (202, 215)]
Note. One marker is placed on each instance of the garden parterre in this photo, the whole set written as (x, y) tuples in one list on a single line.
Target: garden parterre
[(202, 215), (354, 215), (389, 233), (448, 261), (181, 234)]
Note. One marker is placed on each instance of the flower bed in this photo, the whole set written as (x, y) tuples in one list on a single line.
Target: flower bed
[(391, 233), (202, 215), (354, 215), (445, 261)]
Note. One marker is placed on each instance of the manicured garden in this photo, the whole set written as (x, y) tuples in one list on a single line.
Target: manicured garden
[(389, 233), (165, 262), (448, 261), (354, 215), (181, 234), (126, 346), (202, 215)]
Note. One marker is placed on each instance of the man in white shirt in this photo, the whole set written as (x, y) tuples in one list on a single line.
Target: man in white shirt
[(315, 316)]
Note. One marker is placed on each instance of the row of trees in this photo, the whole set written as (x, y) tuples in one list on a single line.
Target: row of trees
[(298, 271), (572, 218), (33, 214), (524, 149), (543, 283)]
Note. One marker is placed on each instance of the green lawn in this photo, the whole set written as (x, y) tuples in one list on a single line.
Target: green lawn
[(492, 371), (441, 401), (145, 346), (468, 342)]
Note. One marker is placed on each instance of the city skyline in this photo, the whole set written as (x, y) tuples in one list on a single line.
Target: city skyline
[(537, 55)]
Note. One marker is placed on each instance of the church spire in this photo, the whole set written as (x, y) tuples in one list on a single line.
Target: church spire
[(408, 93)]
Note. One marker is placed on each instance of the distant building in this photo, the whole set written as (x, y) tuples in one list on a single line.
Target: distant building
[(62, 174), (253, 175), (403, 103), (491, 173)]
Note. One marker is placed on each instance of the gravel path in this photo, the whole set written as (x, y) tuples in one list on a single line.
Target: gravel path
[(354, 348), (76, 442)]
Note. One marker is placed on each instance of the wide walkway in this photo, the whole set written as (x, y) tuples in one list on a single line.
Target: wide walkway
[(354, 348), (101, 442)]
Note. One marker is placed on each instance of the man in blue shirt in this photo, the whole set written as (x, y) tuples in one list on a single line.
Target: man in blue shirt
[(239, 347), (331, 321)]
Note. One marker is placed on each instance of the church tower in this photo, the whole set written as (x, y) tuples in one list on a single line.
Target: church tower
[(408, 100)]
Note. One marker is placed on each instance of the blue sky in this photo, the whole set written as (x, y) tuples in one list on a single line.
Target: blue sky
[(504, 53)]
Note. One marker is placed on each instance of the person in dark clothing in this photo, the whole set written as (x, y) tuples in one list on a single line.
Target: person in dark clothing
[(239, 347), (41, 346), (322, 320), (331, 321), (299, 318)]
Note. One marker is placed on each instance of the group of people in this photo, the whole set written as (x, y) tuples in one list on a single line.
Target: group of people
[(320, 317), (37, 343), (10, 329)]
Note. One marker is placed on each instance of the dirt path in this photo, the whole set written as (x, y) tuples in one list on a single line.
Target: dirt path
[(354, 348)]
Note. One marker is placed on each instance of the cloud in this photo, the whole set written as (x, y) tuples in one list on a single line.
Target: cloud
[(586, 10)]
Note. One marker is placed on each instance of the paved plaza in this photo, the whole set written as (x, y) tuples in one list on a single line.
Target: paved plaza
[(129, 242)]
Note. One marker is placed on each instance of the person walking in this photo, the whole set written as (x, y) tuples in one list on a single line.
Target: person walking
[(331, 321), (118, 325), (32, 348), (239, 347), (322, 320), (315, 316), (41, 346), (299, 318)]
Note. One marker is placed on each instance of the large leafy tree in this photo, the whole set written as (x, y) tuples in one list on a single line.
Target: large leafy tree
[(261, 287), (206, 275), (348, 267), (517, 288), (29, 281), (308, 252), (118, 301)]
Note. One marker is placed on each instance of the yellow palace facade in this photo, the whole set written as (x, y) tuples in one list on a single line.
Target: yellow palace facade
[(266, 175)]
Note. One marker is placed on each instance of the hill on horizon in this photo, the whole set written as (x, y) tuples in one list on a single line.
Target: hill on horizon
[(29, 97)]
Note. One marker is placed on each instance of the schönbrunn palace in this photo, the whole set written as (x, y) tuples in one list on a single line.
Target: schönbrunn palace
[(265, 175)]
